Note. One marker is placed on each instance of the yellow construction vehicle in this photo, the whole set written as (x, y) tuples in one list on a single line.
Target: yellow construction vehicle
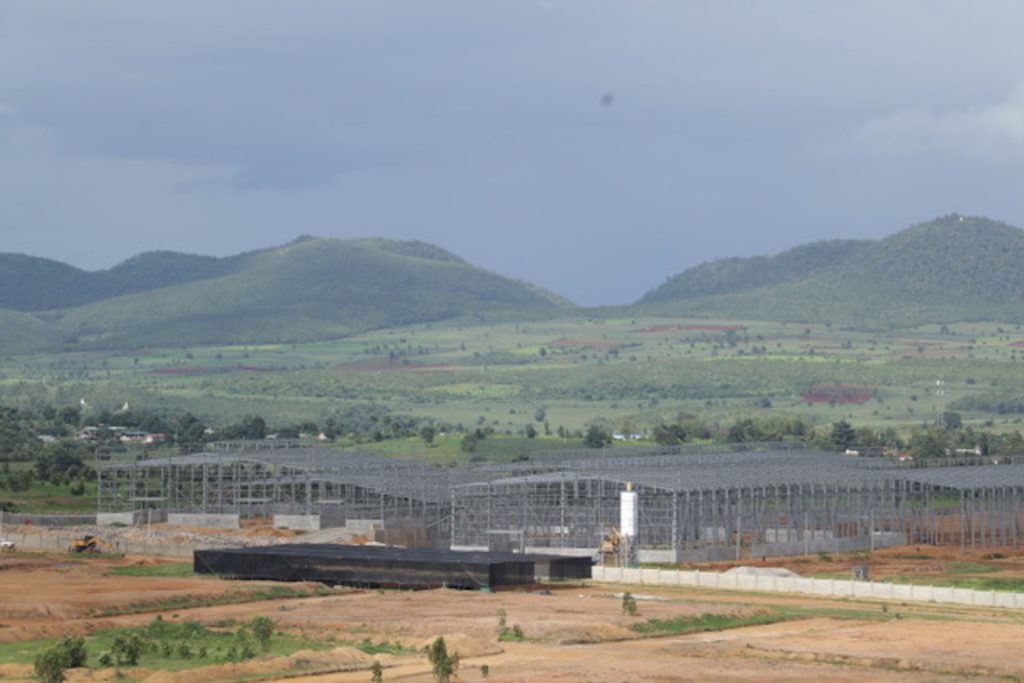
[(90, 544)]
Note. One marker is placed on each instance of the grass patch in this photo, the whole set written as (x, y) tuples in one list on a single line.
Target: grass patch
[(970, 568), (191, 601), (164, 570), (709, 622), (381, 648), (170, 646)]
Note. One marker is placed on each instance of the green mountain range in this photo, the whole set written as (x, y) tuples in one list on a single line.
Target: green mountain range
[(307, 290), (955, 268)]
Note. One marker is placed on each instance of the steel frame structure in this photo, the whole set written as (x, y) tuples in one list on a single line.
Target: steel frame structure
[(692, 505)]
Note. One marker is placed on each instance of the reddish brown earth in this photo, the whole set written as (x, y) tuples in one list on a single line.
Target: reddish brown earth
[(574, 633)]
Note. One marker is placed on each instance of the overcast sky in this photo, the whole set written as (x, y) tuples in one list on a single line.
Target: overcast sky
[(591, 147)]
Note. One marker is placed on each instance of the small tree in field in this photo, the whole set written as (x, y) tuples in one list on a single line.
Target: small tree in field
[(629, 604), (444, 665), (262, 630), (377, 671)]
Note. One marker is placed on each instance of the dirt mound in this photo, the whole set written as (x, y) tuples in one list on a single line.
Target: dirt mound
[(338, 659), (465, 645), (580, 634), (267, 532)]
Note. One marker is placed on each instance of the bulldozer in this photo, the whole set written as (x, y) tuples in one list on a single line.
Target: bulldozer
[(90, 544)]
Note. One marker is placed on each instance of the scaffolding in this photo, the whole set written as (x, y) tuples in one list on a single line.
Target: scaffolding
[(692, 505)]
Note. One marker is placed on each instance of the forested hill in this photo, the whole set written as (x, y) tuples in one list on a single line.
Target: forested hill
[(30, 283), (307, 290), (950, 269)]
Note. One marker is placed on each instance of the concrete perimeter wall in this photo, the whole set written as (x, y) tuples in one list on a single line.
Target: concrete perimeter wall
[(210, 521), (839, 588)]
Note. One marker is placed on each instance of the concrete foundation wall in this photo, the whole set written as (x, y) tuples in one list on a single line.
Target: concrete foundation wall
[(302, 522), (111, 518), (205, 520), (839, 588), (656, 556)]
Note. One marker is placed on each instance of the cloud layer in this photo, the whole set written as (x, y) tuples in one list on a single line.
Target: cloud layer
[(591, 147)]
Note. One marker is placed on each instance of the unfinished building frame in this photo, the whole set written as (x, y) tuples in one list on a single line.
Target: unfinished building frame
[(691, 506)]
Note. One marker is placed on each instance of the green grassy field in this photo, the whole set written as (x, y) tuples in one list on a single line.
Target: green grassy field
[(177, 646), (628, 372)]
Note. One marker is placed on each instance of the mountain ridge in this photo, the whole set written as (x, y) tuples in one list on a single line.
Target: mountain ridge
[(949, 269), (308, 289)]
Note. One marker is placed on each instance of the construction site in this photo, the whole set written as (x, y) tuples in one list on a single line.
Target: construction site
[(637, 505)]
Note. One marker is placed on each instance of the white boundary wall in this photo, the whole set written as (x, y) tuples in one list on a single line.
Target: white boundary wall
[(840, 588)]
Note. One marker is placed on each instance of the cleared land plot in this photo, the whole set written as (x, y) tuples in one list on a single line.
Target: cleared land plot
[(569, 634)]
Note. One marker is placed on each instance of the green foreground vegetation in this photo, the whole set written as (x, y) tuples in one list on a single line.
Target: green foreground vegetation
[(166, 645), (708, 622)]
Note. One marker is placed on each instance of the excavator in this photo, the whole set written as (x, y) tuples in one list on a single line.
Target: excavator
[(90, 544)]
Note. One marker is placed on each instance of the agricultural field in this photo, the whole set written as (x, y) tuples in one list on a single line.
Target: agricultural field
[(627, 373), (187, 628)]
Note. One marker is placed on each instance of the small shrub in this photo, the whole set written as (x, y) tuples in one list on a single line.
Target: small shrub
[(262, 630), (127, 648), (629, 604), (485, 671), (184, 651), (66, 653), (377, 671)]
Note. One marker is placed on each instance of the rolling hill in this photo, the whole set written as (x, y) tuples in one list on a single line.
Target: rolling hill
[(307, 290), (30, 283), (955, 268)]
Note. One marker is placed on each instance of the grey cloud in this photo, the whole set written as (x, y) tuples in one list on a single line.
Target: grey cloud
[(215, 127), (990, 131)]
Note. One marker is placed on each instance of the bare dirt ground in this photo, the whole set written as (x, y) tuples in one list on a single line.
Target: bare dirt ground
[(908, 561), (573, 633)]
